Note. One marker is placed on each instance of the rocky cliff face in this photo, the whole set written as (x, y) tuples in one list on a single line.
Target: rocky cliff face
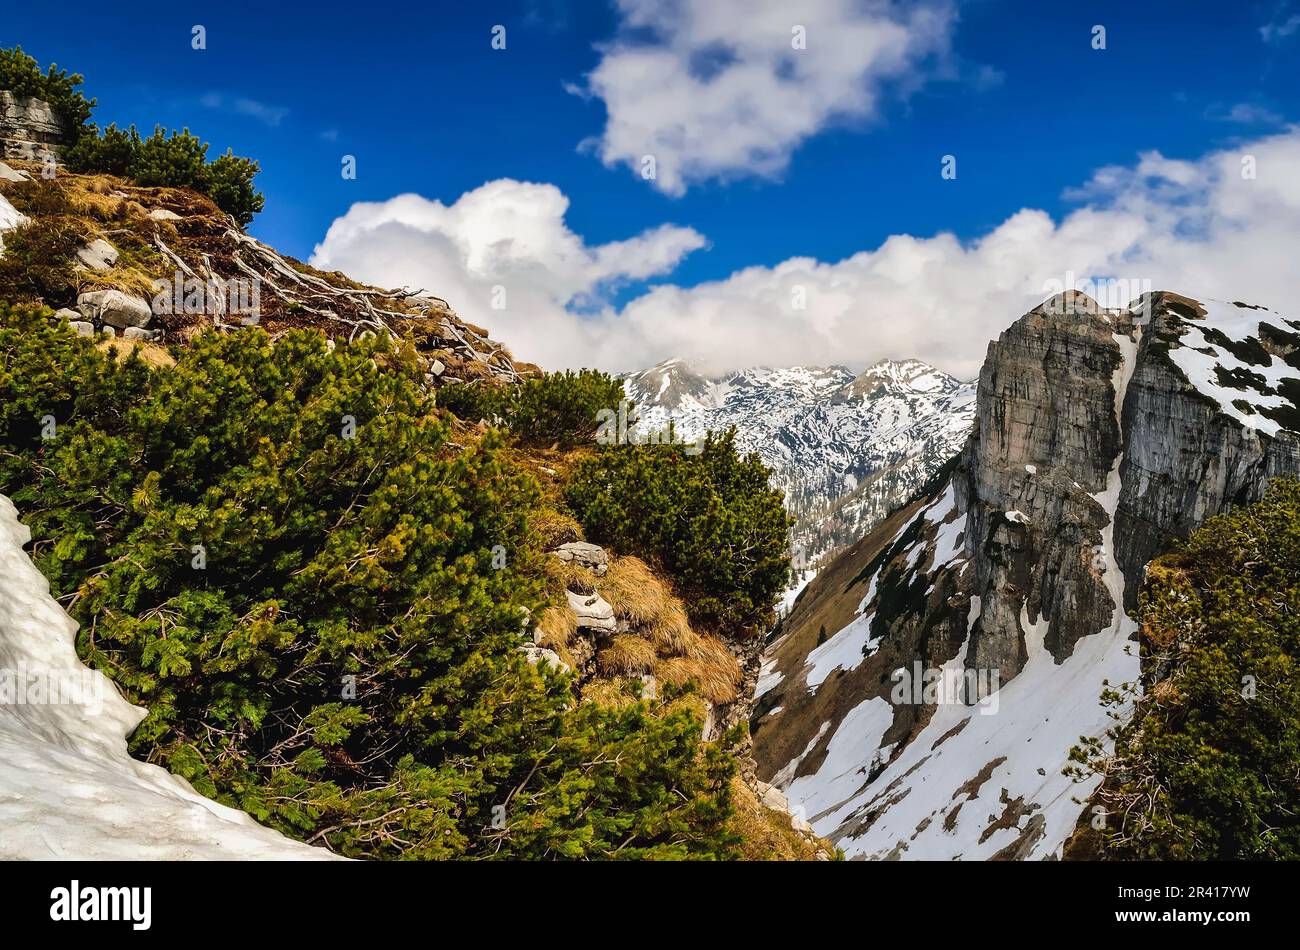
[(29, 128), (923, 695)]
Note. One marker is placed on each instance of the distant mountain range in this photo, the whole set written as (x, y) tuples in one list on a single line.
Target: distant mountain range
[(845, 448)]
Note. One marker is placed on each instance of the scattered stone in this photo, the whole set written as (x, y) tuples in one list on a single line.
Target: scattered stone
[(801, 826), (594, 612), (10, 218), (98, 255), (586, 554), (114, 308), (649, 686), (139, 333), (162, 214), (773, 797), (13, 174), (108, 332), (437, 368), (535, 654), (82, 327)]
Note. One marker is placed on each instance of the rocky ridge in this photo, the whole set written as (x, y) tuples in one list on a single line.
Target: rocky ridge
[(192, 268), (921, 699), (30, 128)]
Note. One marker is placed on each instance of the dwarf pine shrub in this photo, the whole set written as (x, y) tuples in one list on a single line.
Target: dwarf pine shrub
[(709, 518), (1206, 767), (286, 554)]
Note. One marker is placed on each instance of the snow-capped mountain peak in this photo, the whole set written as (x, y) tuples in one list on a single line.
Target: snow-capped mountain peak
[(844, 447)]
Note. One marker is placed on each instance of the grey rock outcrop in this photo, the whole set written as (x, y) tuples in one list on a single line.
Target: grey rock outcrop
[(584, 554), (114, 308), (29, 128), (593, 612), (535, 655), (1101, 437), (98, 255)]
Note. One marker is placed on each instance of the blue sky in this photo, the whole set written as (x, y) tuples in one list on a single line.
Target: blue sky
[(425, 104)]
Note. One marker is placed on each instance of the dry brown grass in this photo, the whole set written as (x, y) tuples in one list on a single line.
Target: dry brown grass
[(765, 834), (626, 655), (718, 678), (553, 528), (151, 353), (566, 575), (129, 280), (90, 204), (633, 591), (557, 626)]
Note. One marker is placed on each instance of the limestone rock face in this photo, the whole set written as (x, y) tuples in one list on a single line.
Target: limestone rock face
[(29, 127), (114, 308), (585, 554), (593, 611), (1047, 437), (1100, 437)]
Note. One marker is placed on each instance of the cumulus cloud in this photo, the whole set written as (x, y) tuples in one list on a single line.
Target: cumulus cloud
[(724, 88), (1225, 225), (504, 257)]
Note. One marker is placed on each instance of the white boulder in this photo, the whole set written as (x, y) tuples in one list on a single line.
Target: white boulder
[(114, 308)]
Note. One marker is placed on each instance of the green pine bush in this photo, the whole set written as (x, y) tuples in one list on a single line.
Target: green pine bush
[(21, 75), (1206, 768), (559, 409), (178, 160), (345, 665), (709, 519)]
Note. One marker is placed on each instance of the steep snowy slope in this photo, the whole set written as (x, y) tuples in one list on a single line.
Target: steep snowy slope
[(924, 693), (68, 789), (845, 449)]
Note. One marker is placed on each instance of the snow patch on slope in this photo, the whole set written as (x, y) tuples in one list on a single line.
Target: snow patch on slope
[(1201, 361), (980, 779), (68, 788)]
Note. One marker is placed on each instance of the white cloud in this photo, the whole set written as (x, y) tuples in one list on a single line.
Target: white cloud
[(1197, 227), (268, 115), (1248, 113), (716, 89), (1274, 33), (505, 234)]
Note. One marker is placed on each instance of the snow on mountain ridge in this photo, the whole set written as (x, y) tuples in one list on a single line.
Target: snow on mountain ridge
[(844, 447)]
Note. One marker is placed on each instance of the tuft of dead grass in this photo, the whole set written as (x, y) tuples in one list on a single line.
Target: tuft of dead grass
[(626, 655), (554, 528), (717, 676), (129, 280), (557, 626), (151, 353), (566, 575), (766, 835)]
